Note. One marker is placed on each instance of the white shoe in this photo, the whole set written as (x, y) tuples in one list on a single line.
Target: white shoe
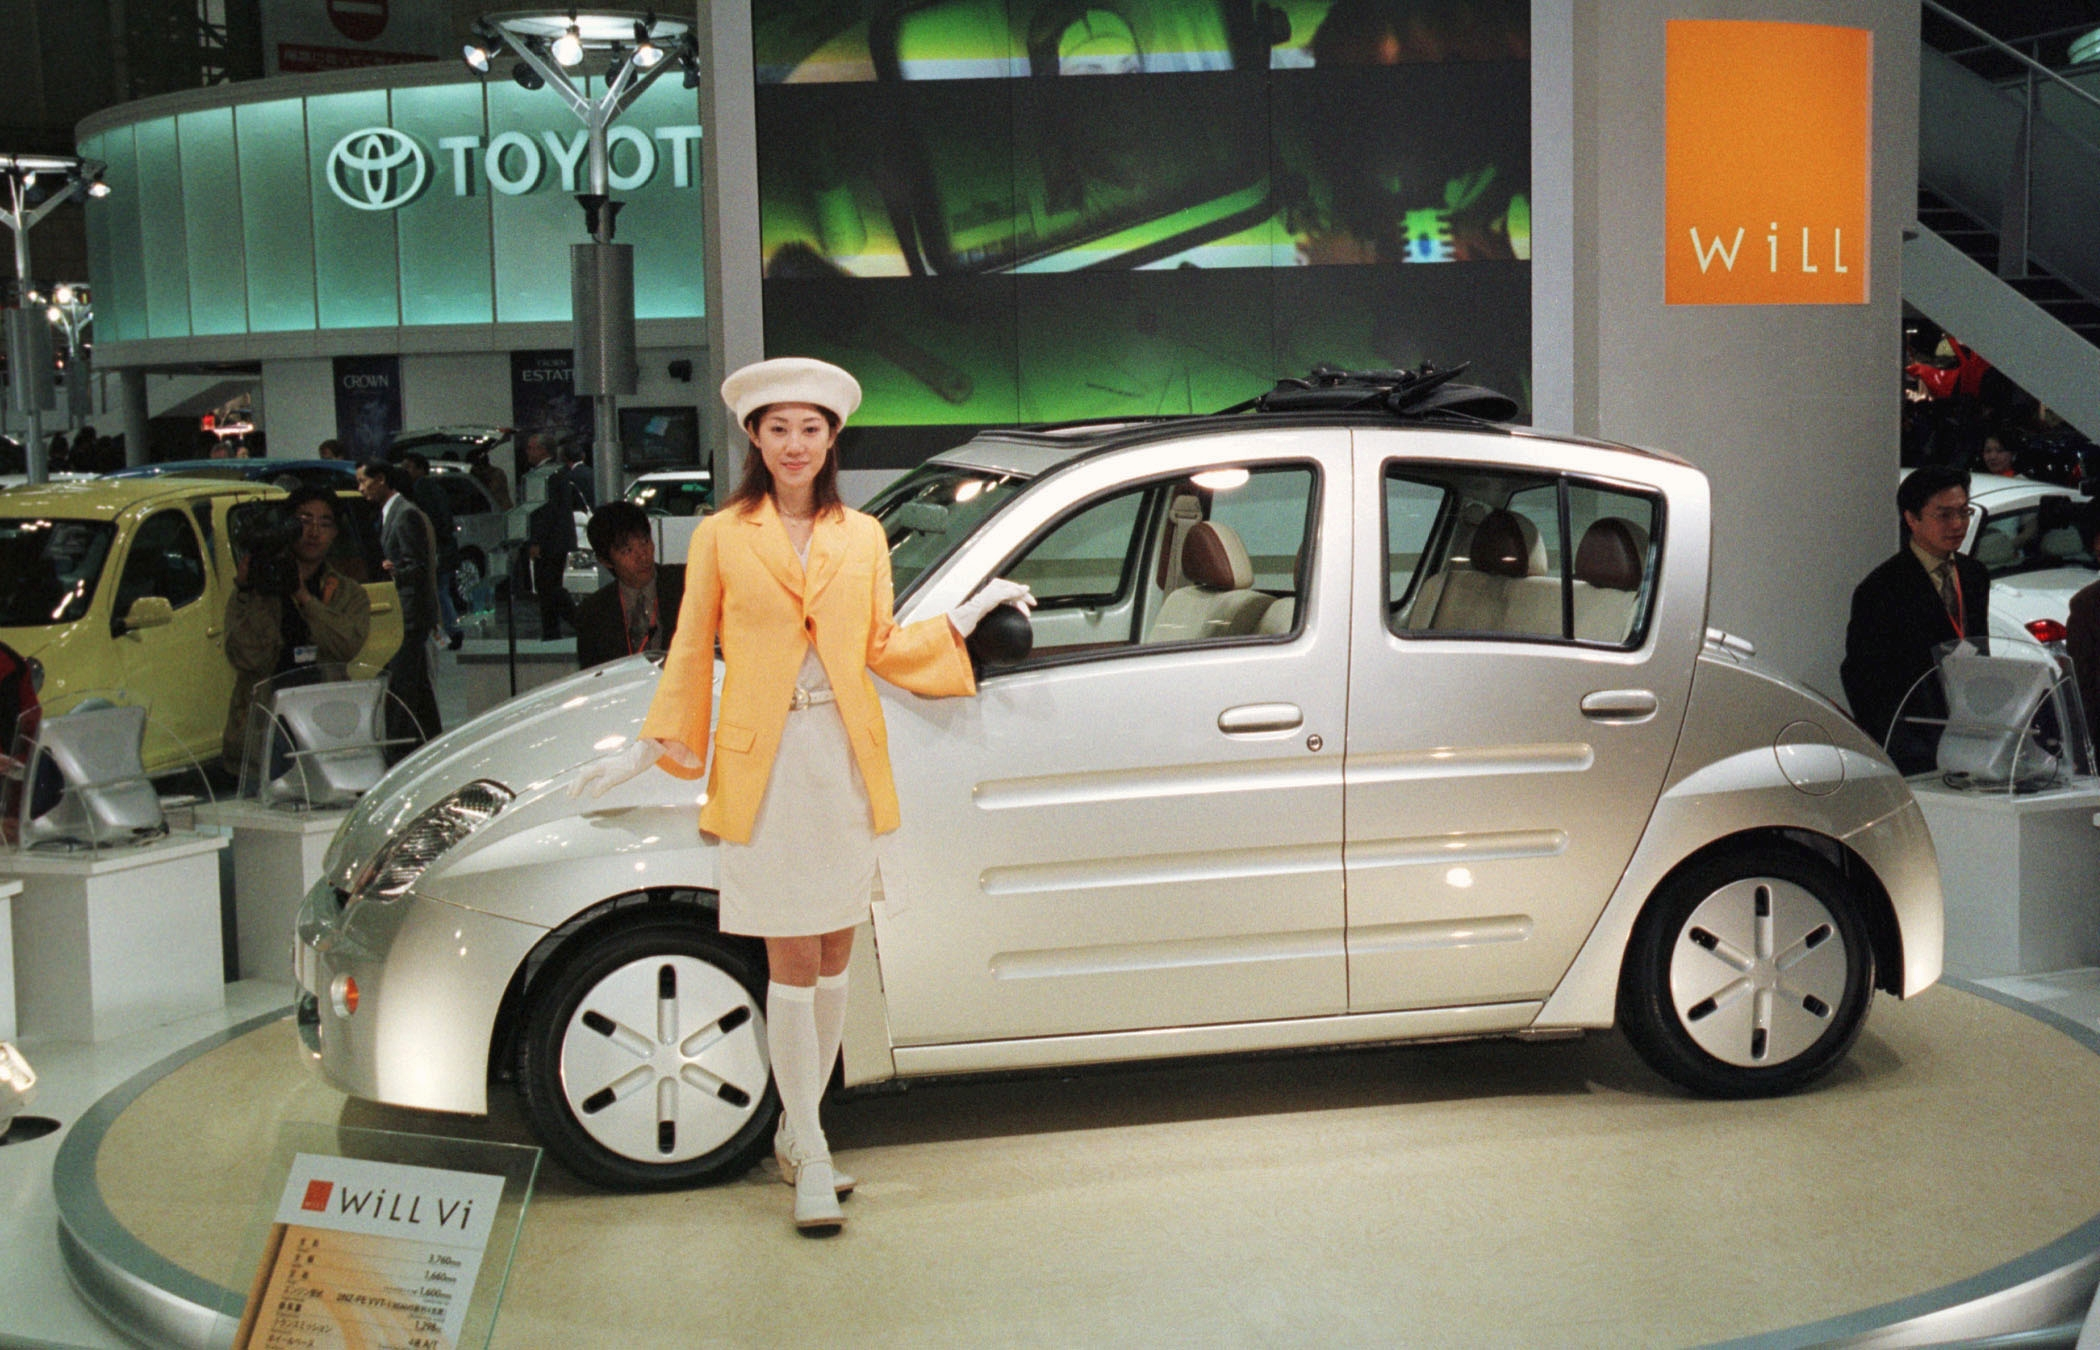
[(817, 1211), (784, 1159)]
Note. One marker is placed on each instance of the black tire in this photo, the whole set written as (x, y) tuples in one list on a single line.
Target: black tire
[(643, 1060), (1722, 1011)]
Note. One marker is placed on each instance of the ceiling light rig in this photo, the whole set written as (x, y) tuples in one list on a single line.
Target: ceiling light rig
[(31, 188), (620, 53)]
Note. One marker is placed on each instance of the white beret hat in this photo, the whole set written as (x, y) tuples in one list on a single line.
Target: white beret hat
[(791, 379)]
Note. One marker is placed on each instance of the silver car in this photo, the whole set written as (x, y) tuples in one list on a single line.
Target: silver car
[(1337, 728)]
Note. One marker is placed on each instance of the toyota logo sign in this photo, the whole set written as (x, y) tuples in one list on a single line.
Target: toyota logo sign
[(377, 169)]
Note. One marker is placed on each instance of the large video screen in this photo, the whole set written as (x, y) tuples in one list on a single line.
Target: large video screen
[(1013, 211)]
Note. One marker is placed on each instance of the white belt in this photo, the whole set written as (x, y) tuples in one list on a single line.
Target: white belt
[(804, 699)]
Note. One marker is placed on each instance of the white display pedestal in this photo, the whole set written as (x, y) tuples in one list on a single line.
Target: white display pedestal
[(8, 891), (119, 940), (276, 860), (2021, 876)]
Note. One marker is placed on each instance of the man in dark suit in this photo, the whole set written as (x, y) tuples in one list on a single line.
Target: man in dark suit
[(638, 612), (408, 541), (1928, 594)]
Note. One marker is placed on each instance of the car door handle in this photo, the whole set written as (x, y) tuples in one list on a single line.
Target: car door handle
[(1249, 718), (1618, 705)]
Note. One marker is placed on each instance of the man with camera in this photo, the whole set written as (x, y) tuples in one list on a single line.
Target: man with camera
[(289, 609)]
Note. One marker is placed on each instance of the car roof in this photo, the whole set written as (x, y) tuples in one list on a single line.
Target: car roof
[(1032, 452), (108, 498), (1986, 488), (247, 469)]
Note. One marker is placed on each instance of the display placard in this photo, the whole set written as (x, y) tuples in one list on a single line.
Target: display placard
[(380, 1241)]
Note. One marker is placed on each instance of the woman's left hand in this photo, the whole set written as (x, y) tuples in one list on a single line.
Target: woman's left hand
[(998, 591)]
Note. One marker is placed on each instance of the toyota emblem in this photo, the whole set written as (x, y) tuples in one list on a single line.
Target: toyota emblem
[(377, 169)]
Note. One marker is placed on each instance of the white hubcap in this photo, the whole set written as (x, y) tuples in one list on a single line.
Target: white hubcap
[(1758, 972), (665, 1059)]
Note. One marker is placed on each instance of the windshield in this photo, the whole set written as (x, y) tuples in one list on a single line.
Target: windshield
[(48, 569), (930, 511)]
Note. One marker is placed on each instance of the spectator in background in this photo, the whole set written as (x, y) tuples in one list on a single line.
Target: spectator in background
[(1998, 459), (410, 545), (280, 620), (331, 449), (638, 612), (58, 456), (583, 493), (1929, 593), (430, 496), (550, 532), (2082, 630), (82, 457), (490, 477)]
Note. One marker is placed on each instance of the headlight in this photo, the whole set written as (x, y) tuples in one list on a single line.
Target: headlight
[(582, 560), (409, 854)]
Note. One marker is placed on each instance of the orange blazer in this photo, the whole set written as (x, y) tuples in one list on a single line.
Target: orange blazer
[(744, 584)]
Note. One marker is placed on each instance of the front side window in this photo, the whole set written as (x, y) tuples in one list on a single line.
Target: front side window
[(164, 561), (927, 514), (1220, 554), (1497, 553)]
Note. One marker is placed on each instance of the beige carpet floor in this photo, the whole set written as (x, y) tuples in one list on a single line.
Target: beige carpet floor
[(1474, 1194)]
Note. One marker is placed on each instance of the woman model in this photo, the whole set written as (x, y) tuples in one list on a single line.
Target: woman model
[(797, 588)]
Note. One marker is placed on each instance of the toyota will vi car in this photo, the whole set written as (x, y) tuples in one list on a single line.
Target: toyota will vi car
[(1348, 718)]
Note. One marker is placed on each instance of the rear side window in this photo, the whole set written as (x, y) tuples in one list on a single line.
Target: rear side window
[(1497, 553)]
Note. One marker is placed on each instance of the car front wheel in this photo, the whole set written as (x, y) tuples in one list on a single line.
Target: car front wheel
[(1749, 974), (643, 1061)]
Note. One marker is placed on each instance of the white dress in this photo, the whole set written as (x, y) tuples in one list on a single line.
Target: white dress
[(810, 865)]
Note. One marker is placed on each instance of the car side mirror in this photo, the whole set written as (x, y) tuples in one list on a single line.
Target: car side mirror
[(1001, 638), (148, 611)]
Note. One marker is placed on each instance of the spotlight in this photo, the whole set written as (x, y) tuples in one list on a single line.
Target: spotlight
[(526, 76), (97, 188), (568, 48), (64, 294), (55, 314), (646, 52), (480, 48)]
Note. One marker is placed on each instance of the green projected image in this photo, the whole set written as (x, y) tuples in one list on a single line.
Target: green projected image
[(1001, 211)]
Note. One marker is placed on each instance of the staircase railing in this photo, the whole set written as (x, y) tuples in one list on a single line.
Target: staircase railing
[(2021, 158)]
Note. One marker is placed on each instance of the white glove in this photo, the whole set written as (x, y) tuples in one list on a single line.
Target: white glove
[(998, 591), (602, 775)]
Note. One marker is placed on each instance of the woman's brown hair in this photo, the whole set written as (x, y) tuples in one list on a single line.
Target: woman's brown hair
[(757, 482)]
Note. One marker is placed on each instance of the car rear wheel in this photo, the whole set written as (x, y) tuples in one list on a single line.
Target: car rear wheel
[(1749, 974), (643, 1061)]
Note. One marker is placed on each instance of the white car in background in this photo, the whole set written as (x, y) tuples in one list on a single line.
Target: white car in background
[(2027, 536), (676, 500)]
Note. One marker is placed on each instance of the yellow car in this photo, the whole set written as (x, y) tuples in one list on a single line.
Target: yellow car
[(117, 588)]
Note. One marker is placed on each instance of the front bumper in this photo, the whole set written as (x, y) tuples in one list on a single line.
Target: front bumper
[(429, 978)]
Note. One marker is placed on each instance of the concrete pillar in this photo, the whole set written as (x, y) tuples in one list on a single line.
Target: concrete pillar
[(1791, 410), (132, 403), (734, 258)]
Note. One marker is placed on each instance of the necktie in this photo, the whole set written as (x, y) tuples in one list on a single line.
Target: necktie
[(640, 620), (1950, 594)]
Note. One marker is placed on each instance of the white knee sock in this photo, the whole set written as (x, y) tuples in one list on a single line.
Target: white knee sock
[(831, 1023), (791, 1039)]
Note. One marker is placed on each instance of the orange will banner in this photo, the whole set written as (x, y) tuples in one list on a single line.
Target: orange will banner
[(1768, 163)]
